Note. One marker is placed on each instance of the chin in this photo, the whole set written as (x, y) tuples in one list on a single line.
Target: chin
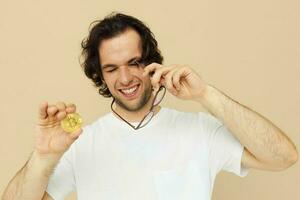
[(130, 106), (134, 105)]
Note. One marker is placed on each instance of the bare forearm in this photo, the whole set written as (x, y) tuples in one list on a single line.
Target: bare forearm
[(31, 181), (262, 138)]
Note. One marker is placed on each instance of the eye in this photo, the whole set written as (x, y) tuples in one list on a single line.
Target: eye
[(111, 70), (135, 64)]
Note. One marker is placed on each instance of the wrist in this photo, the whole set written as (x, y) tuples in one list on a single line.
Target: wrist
[(46, 158), (40, 165), (207, 89), (213, 100)]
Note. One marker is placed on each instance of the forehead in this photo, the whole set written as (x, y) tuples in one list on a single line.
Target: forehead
[(118, 50)]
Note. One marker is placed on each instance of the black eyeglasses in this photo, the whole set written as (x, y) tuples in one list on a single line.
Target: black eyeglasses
[(147, 118)]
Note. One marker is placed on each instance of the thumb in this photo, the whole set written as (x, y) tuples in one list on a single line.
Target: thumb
[(75, 135), (42, 112)]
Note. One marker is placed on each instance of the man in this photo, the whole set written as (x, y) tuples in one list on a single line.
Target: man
[(140, 150)]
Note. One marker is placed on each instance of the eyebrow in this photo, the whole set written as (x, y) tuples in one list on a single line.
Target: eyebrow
[(114, 65)]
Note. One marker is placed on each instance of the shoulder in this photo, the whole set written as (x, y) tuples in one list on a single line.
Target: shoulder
[(209, 119), (96, 125), (176, 114), (92, 130), (198, 117)]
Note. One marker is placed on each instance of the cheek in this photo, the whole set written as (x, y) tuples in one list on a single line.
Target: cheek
[(147, 81), (109, 80)]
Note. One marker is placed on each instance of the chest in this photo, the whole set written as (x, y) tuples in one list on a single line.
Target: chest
[(144, 168)]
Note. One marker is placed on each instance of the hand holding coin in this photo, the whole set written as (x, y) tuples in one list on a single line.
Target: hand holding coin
[(55, 123), (71, 122)]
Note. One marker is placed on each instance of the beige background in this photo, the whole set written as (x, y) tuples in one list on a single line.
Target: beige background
[(248, 49)]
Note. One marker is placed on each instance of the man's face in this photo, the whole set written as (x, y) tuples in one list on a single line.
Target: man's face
[(121, 74)]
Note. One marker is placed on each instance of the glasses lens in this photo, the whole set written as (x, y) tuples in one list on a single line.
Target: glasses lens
[(147, 119), (159, 96)]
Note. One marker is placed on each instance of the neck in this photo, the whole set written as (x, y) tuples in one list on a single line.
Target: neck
[(136, 116)]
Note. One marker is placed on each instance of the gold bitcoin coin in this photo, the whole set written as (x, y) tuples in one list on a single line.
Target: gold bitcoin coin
[(71, 122)]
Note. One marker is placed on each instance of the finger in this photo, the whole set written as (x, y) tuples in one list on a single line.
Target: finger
[(43, 110), (52, 110), (71, 108), (158, 75), (61, 106), (151, 68), (169, 82), (71, 137), (61, 115), (177, 76), (74, 135)]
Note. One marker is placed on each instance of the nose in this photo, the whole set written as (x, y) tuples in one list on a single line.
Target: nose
[(125, 75)]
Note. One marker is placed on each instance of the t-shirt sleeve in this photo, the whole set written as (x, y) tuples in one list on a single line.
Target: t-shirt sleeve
[(225, 151), (62, 180)]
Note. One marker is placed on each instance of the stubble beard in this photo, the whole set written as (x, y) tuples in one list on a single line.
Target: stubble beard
[(146, 95)]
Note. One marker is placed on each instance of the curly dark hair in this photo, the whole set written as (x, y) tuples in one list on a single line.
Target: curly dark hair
[(112, 26)]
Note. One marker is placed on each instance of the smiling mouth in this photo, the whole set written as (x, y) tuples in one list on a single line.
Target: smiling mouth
[(130, 92)]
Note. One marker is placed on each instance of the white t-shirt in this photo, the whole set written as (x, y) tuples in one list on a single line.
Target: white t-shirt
[(175, 157)]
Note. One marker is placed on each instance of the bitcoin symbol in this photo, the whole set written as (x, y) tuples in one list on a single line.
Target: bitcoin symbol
[(71, 122)]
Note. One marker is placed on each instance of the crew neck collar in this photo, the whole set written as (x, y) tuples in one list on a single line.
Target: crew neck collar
[(117, 121)]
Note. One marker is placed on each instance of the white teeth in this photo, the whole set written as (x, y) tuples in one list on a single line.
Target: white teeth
[(129, 91)]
